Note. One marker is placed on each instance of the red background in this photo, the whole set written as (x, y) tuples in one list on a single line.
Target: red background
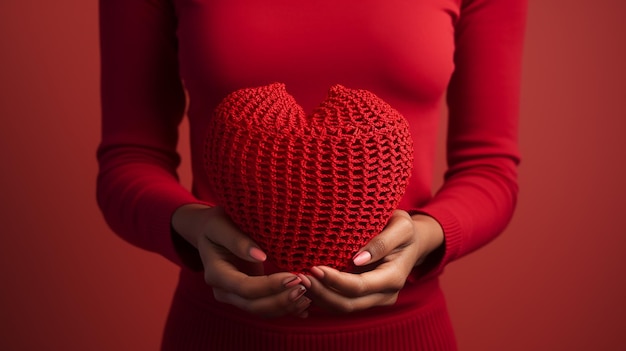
[(554, 281)]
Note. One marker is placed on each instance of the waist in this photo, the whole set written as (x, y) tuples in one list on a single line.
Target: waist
[(417, 299)]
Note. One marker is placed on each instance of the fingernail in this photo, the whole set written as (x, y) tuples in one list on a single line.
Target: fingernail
[(291, 281), (297, 293), (318, 273), (257, 254), (305, 281), (362, 258)]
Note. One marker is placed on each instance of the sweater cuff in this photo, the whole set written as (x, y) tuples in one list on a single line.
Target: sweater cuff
[(436, 261)]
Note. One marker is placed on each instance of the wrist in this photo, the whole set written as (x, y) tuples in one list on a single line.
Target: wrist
[(187, 221), (430, 234)]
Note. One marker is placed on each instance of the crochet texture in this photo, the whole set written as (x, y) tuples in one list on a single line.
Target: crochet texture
[(309, 189)]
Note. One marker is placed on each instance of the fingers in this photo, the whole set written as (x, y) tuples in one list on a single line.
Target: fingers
[(266, 295), (291, 301), (250, 287), (388, 277), (221, 273), (233, 265), (223, 232), (270, 296), (337, 302), (395, 251), (398, 233)]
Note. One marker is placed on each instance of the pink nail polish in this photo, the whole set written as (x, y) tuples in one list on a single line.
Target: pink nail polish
[(257, 254), (291, 282), (362, 258)]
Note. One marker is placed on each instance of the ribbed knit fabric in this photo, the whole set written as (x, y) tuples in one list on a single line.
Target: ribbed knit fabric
[(309, 189), (197, 324), (403, 334)]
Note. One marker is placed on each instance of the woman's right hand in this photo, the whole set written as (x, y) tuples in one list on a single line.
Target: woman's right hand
[(233, 265)]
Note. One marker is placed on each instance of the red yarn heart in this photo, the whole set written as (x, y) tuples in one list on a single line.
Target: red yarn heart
[(309, 189)]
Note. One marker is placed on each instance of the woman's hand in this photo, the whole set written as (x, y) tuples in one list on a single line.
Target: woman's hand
[(233, 265), (390, 256)]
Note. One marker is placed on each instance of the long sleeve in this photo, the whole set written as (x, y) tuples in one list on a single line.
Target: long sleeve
[(479, 193), (143, 102)]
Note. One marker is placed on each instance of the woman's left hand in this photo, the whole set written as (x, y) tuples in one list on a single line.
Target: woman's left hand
[(404, 243)]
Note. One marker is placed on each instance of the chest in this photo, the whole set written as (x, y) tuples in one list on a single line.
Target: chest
[(403, 47)]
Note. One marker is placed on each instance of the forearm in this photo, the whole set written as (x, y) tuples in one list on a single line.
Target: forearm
[(138, 199), (143, 103)]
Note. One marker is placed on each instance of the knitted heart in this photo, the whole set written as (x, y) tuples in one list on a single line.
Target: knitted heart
[(309, 189)]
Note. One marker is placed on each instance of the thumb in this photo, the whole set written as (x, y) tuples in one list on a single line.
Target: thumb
[(223, 232), (395, 234)]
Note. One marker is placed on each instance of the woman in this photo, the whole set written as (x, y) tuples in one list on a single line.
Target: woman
[(164, 58)]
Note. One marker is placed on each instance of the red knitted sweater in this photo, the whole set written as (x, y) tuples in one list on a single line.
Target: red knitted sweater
[(162, 58)]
